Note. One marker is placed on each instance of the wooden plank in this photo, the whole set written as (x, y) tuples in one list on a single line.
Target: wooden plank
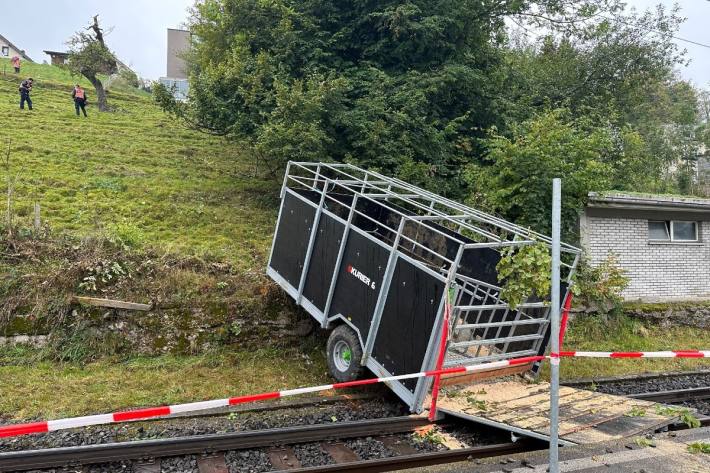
[(112, 304), (398, 446), (147, 467), (216, 464), (340, 453), (585, 416), (283, 459)]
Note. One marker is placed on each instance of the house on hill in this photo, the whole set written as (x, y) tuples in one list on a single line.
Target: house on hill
[(8, 50), (661, 241), (57, 58)]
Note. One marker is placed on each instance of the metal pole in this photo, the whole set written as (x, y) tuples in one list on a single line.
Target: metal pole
[(555, 335)]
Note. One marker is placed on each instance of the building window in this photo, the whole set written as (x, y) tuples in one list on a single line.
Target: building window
[(5, 51), (672, 230)]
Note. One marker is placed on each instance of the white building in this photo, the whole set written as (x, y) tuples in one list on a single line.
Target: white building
[(662, 242)]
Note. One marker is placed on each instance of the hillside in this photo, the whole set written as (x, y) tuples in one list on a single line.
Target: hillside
[(134, 173), (135, 207)]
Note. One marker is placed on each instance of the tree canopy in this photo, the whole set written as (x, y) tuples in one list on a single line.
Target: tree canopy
[(484, 100)]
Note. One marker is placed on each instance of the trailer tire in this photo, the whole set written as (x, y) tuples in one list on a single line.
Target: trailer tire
[(344, 354)]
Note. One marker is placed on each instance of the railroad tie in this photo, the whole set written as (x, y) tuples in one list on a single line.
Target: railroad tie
[(212, 464), (283, 459)]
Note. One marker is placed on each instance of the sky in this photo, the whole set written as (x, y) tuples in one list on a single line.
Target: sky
[(139, 34)]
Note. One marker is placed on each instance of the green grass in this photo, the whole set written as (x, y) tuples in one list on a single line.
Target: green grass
[(134, 172), (48, 390), (622, 333)]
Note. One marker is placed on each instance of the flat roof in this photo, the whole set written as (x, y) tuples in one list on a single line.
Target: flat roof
[(641, 201)]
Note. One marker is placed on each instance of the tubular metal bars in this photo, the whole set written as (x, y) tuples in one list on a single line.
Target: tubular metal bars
[(484, 327)]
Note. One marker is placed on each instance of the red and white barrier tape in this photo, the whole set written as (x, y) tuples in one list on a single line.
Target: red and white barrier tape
[(634, 354), (152, 412)]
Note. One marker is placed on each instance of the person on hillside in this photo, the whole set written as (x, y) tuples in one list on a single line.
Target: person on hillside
[(16, 64), (25, 90), (79, 96)]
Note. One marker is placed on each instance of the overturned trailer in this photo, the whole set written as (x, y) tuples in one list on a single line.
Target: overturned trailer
[(372, 257)]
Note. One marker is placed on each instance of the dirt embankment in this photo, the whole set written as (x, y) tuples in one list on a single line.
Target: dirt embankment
[(195, 304)]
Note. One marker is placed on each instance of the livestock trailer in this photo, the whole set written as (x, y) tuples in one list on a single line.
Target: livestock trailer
[(372, 257)]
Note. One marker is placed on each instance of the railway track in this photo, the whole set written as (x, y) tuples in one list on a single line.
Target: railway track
[(278, 444), (689, 389)]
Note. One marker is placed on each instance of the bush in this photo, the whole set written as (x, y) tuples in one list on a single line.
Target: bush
[(599, 287)]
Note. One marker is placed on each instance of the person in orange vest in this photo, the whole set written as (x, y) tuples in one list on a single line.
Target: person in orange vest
[(79, 96), (16, 64)]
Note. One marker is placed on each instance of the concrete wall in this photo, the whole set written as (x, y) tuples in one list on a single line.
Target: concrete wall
[(658, 271), (178, 42)]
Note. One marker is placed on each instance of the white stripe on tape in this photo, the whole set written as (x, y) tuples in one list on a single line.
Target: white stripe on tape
[(198, 406), (594, 354), (488, 366), (314, 389), (658, 354), (73, 422)]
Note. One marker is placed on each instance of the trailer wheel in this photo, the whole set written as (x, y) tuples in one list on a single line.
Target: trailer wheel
[(344, 354)]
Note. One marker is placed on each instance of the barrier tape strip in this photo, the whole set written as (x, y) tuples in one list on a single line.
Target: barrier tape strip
[(152, 412), (633, 354)]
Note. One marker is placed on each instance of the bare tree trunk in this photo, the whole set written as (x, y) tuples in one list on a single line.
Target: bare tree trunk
[(100, 93)]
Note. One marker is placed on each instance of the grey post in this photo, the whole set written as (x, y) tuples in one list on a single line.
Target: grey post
[(555, 332)]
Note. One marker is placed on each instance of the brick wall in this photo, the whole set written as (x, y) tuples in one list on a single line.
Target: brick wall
[(657, 271)]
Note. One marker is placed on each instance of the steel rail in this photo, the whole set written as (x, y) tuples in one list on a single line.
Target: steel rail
[(675, 395), (634, 377), (421, 459), (203, 444)]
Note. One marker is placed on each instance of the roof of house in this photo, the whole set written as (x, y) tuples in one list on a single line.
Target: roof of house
[(22, 51), (56, 53), (640, 201)]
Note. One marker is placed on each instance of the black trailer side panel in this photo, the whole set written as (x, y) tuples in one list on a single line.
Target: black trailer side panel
[(323, 259), (407, 322), (292, 237), (359, 281)]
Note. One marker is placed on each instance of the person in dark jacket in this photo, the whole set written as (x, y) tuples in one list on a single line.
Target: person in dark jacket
[(79, 96), (25, 89)]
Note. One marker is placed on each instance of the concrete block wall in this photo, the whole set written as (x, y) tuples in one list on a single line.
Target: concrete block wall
[(662, 271)]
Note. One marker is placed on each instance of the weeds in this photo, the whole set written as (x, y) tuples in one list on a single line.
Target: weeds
[(636, 411), (699, 447), (431, 436), (683, 413), (479, 404)]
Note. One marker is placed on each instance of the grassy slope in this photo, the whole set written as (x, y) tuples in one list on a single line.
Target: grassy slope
[(139, 175), (134, 172)]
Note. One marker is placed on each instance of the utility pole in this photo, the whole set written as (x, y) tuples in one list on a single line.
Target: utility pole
[(555, 325)]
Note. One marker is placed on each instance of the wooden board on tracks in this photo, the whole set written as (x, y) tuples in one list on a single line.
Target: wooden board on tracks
[(523, 407)]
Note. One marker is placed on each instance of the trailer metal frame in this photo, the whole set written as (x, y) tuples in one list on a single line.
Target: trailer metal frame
[(443, 241)]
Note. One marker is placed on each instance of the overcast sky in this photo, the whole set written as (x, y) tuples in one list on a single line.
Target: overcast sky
[(139, 36)]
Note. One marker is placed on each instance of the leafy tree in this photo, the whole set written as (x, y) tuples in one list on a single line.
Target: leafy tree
[(517, 177), (90, 57), (406, 87)]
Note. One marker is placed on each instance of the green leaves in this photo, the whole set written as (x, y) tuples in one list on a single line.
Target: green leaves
[(525, 272)]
